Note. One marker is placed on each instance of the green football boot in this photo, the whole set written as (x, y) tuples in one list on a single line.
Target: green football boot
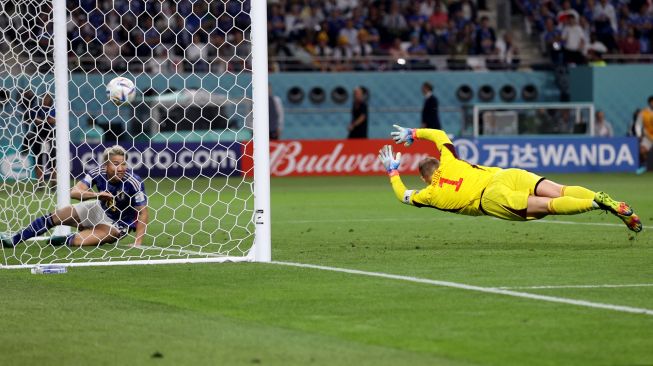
[(619, 209), (606, 202)]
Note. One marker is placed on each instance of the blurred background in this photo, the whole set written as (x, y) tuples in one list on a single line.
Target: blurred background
[(191, 61)]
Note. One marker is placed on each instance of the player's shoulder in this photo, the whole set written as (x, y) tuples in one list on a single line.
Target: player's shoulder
[(134, 180), (448, 153), (429, 189), (96, 172), (130, 173)]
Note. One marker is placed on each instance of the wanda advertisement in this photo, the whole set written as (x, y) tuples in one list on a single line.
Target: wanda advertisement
[(336, 157)]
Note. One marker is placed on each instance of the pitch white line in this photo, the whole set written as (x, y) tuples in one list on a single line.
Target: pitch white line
[(489, 290), (574, 286), (317, 221)]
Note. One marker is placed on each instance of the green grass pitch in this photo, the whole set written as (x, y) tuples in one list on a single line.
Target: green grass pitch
[(269, 314)]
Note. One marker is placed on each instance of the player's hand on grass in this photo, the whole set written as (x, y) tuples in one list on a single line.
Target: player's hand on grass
[(104, 196), (389, 161), (402, 135)]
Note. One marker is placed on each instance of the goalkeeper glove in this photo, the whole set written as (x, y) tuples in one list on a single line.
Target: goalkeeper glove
[(389, 162), (403, 135)]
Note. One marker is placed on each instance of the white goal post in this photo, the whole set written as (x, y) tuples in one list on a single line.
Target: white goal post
[(205, 167), (507, 119)]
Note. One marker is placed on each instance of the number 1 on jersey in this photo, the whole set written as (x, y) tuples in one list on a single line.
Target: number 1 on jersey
[(456, 183)]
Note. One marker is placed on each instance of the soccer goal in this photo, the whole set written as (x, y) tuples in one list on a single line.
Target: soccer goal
[(511, 119), (196, 131)]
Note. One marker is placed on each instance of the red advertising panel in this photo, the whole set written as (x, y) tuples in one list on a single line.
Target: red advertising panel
[(335, 157)]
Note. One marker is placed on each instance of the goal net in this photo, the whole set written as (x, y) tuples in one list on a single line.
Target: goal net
[(200, 71), (533, 119)]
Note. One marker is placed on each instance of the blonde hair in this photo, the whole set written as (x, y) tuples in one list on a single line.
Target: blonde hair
[(113, 151), (427, 166)]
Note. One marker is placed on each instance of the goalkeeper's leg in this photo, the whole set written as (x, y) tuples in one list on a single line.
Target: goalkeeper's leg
[(600, 200), (64, 216), (541, 206), (547, 188)]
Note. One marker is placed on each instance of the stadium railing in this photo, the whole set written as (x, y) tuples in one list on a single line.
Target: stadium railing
[(354, 63)]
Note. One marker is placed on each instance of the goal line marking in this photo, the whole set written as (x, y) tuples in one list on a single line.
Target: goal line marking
[(381, 219), (489, 290), (573, 286)]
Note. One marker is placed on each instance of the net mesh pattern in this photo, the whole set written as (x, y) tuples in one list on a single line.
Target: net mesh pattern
[(186, 132)]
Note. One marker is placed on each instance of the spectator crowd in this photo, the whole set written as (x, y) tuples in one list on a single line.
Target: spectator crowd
[(209, 35), (378, 34), (139, 35), (581, 31)]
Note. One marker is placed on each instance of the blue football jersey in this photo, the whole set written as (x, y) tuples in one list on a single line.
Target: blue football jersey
[(127, 194)]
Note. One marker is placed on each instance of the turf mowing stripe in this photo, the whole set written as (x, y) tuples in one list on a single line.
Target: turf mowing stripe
[(490, 290), (583, 223), (574, 286), (179, 251), (447, 219)]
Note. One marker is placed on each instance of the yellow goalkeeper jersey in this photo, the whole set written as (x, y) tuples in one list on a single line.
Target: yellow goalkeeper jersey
[(456, 185)]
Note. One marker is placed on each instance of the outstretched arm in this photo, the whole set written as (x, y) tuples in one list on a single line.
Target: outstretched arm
[(402, 193), (409, 135), (82, 192), (438, 137), (391, 165)]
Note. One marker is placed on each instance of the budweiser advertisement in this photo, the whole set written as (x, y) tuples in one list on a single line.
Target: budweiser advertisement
[(335, 157)]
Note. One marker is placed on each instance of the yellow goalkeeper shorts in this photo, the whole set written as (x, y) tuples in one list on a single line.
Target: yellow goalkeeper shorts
[(506, 197)]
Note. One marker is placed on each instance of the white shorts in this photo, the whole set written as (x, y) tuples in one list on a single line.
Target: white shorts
[(92, 214), (646, 143)]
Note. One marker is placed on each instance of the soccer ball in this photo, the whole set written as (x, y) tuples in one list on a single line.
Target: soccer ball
[(121, 90)]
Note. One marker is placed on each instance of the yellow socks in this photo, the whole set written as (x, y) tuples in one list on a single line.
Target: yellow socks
[(571, 205), (577, 192)]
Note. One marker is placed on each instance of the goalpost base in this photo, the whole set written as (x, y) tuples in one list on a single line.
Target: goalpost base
[(226, 259)]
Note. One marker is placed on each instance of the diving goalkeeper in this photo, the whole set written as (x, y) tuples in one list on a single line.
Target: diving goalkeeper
[(118, 207), (457, 186)]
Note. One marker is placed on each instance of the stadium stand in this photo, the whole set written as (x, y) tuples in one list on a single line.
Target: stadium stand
[(618, 28), (374, 35)]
